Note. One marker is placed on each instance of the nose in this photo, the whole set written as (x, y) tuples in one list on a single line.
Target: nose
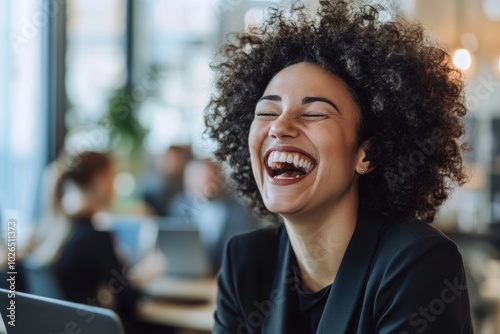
[(284, 126)]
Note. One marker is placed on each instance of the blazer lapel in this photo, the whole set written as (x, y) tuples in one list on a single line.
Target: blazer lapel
[(283, 317), (351, 277)]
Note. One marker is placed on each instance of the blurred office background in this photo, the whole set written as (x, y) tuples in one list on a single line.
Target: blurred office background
[(132, 77)]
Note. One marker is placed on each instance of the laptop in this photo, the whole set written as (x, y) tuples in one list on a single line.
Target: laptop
[(187, 256), (24, 313)]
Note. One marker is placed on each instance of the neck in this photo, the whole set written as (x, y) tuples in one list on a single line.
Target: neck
[(319, 241), (88, 209)]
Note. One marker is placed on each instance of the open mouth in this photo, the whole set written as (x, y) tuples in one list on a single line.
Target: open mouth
[(288, 165)]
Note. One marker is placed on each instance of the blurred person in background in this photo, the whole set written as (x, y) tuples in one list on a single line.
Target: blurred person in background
[(207, 204), (88, 269), (160, 190)]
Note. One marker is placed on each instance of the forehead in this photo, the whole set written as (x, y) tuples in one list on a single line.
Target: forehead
[(308, 79)]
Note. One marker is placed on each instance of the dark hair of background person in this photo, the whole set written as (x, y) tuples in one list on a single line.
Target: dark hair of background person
[(81, 169), (410, 97)]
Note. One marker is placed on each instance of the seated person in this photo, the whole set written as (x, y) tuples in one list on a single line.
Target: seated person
[(159, 190), (88, 269), (206, 204)]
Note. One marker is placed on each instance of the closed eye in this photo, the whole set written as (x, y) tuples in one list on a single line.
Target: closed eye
[(314, 115), (265, 114)]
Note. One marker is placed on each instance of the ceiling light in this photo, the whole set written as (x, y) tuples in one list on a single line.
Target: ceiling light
[(462, 59)]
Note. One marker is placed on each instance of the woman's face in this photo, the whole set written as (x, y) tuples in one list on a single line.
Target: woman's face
[(102, 188), (303, 141)]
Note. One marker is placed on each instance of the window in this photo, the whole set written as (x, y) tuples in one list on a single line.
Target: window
[(23, 136), (96, 66), (177, 40)]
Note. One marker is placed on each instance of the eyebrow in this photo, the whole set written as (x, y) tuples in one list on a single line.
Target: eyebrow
[(309, 99), (305, 100), (276, 98)]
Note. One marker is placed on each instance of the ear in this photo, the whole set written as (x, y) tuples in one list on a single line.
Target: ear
[(363, 165)]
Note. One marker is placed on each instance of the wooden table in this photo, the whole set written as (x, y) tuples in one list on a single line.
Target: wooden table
[(196, 316)]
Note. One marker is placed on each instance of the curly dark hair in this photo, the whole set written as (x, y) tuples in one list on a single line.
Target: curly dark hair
[(409, 94)]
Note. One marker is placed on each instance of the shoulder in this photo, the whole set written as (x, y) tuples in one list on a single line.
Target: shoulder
[(417, 274), (259, 241), (398, 232), (86, 235), (405, 242), (85, 244), (250, 264), (255, 251)]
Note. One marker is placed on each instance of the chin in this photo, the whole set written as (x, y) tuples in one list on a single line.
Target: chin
[(282, 208)]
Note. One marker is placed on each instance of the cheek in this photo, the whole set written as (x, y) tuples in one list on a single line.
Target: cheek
[(111, 188), (335, 146), (106, 187), (254, 139)]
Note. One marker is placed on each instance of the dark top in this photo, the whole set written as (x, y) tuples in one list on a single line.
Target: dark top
[(88, 268), (398, 275), (310, 305)]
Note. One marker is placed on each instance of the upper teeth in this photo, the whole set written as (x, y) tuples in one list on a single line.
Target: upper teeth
[(276, 159)]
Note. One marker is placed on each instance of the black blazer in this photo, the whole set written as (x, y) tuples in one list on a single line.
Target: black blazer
[(398, 276)]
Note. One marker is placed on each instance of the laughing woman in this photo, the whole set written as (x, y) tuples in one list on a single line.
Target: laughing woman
[(349, 130)]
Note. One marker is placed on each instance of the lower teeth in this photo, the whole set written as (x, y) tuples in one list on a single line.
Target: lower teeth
[(287, 177)]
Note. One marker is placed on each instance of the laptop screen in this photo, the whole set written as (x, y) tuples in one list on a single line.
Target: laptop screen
[(24, 313)]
